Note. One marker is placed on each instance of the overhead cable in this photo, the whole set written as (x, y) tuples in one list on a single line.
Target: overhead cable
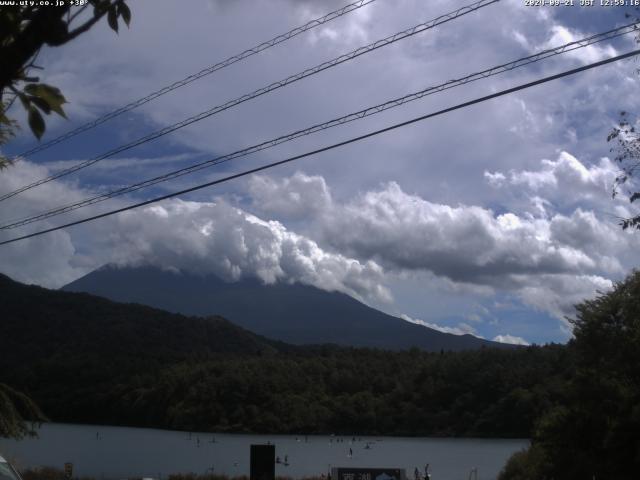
[(261, 91), (329, 147), (202, 73), (571, 46)]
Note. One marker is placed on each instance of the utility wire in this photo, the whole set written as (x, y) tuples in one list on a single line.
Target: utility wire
[(196, 76), (274, 86), (331, 147), (329, 124)]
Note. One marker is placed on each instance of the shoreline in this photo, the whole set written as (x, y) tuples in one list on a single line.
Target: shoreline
[(292, 434)]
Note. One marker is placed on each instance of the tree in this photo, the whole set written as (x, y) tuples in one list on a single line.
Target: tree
[(18, 413), (525, 465), (628, 157), (593, 432), (25, 29), (627, 148)]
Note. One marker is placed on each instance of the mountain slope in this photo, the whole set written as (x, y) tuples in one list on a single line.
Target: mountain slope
[(84, 359), (38, 323), (71, 351), (296, 314)]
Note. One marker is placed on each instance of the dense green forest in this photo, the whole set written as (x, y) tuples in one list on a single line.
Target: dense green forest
[(324, 390)]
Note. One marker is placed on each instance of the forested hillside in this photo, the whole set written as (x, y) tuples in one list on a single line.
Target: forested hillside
[(87, 359), (64, 325), (335, 390)]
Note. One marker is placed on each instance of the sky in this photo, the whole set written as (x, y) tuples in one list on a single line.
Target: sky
[(493, 220)]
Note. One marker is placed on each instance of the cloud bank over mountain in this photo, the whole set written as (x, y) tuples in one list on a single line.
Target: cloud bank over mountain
[(549, 259), (501, 212), (198, 237)]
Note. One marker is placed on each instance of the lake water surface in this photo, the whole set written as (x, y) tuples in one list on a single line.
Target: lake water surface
[(119, 452)]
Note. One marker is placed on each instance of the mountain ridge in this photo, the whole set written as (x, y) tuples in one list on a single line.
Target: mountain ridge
[(292, 313), (86, 359), (84, 323)]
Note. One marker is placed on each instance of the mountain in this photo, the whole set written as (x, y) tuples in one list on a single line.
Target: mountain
[(293, 313), (75, 353), (86, 359), (38, 323)]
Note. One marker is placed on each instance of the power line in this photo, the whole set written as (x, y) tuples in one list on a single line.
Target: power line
[(202, 73), (274, 86), (331, 147), (571, 46)]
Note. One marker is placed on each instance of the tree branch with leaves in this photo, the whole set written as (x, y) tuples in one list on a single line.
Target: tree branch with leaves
[(24, 31), (627, 156), (18, 414)]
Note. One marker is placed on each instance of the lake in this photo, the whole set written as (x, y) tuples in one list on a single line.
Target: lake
[(119, 452)]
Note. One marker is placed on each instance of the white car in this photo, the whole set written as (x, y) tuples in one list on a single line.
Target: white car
[(7, 472)]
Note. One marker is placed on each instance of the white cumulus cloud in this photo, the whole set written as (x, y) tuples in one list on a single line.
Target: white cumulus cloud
[(215, 237), (200, 237), (506, 338), (549, 260)]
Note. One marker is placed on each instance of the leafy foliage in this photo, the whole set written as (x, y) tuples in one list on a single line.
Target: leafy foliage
[(593, 431), (25, 29), (526, 465), (18, 413), (8, 128), (627, 150), (340, 390), (627, 146)]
